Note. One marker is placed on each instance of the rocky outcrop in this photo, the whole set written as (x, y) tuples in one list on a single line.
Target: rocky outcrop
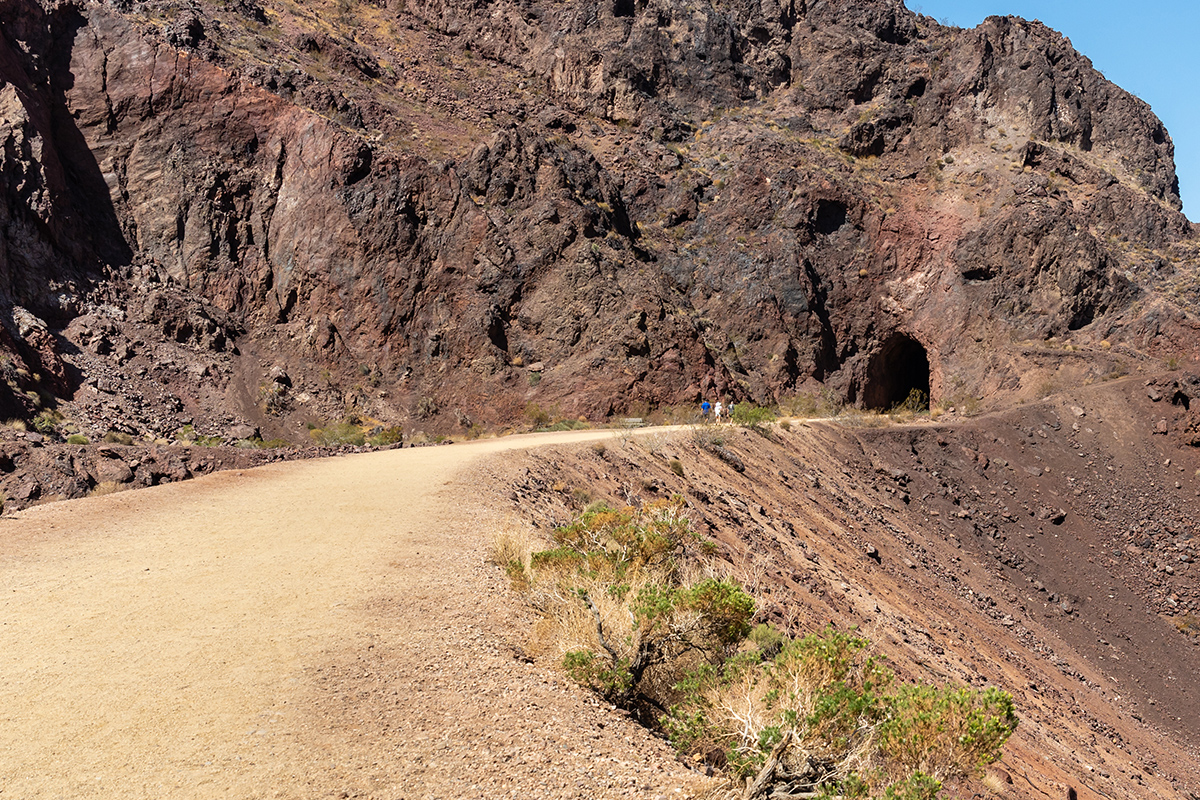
[(653, 201), (35, 469)]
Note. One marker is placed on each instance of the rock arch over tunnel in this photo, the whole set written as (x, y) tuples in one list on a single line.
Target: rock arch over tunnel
[(900, 366)]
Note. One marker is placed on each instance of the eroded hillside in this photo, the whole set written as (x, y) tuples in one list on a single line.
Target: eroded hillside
[(1048, 550)]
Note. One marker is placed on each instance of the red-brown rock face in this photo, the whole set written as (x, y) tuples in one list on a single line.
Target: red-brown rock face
[(221, 221), (406, 209)]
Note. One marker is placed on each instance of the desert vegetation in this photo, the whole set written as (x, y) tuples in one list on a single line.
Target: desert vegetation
[(106, 487), (355, 431), (618, 608), (551, 419), (188, 435), (751, 416), (631, 605)]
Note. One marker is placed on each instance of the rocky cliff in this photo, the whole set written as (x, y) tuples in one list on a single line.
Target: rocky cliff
[(436, 213)]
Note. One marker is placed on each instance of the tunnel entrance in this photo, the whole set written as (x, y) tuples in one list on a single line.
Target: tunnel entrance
[(900, 366)]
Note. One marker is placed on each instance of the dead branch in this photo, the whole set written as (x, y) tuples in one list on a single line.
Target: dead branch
[(766, 775), (599, 627)]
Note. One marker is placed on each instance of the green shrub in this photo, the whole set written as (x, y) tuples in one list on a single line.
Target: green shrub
[(272, 398), (619, 610), (390, 435), (339, 433), (426, 407), (77, 438), (626, 622), (116, 437), (768, 640), (916, 402), (536, 416), (676, 466), (189, 435), (668, 623), (828, 697), (948, 731), (47, 422), (565, 425), (751, 416), (628, 539), (606, 677)]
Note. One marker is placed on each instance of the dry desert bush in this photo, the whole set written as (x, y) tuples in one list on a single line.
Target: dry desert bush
[(106, 487), (616, 607), (633, 607), (823, 717)]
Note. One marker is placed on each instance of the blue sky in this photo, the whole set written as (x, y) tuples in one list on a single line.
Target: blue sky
[(1151, 49)]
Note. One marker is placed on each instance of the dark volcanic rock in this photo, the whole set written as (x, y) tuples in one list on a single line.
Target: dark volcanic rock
[(658, 201)]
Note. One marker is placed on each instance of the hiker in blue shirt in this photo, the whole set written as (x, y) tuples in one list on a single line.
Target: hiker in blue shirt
[(704, 409)]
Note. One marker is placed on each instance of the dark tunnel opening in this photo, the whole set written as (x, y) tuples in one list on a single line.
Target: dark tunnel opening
[(899, 367)]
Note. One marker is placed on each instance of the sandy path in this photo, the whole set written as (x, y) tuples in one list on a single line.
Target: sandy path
[(307, 629)]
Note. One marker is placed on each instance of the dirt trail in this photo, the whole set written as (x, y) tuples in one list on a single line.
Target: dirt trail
[(309, 629)]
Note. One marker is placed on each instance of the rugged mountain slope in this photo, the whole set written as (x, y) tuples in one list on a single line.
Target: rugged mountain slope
[(436, 213)]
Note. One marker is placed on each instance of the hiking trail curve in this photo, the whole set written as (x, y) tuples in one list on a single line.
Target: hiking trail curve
[(307, 629)]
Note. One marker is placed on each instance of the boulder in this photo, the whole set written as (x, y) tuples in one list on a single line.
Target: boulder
[(112, 470)]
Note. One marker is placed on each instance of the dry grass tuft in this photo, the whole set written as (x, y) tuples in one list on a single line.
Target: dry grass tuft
[(862, 418), (511, 550), (994, 783)]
